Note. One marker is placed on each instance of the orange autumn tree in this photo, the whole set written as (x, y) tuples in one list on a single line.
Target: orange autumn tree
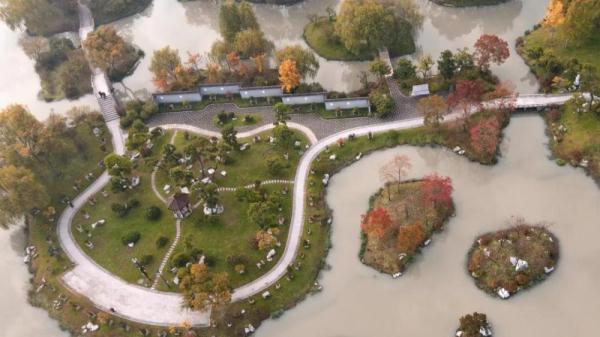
[(555, 15), (410, 237), (289, 75), (376, 222)]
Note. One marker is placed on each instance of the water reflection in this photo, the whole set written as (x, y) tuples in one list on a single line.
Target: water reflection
[(17, 317), (427, 301)]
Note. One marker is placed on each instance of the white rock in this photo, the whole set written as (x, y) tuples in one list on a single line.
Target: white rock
[(325, 179), (459, 333), (266, 294), (185, 190), (396, 275), (270, 255), (130, 245), (426, 243), (548, 270), (503, 293), (358, 156), (223, 173), (166, 188), (211, 171), (332, 157)]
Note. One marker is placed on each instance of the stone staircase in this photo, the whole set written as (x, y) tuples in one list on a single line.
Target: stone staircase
[(108, 107)]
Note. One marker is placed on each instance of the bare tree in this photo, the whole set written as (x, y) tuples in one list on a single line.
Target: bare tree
[(394, 171)]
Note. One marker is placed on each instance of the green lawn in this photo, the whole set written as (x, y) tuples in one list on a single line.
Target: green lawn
[(231, 236), (109, 251)]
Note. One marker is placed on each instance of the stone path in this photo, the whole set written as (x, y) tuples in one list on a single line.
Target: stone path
[(167, 256), (249, 186)]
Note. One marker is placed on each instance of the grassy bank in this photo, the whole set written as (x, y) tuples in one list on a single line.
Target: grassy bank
[(507, 261), (549, 56), (574, 137), (413, 221)]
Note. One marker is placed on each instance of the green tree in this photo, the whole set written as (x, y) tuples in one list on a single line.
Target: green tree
[(405, 69), (117, 166), (281, 112), (425, 64), (19, 193), (446, 64), (283, 135), (235, 18), (364, 25), (306, 61), (277, 165), (383, 103), (229, 135), (252, 42), (379, 68)]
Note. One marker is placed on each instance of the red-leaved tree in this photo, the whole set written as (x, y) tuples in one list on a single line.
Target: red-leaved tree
[(437, 189), (490, 49), (485, 136), (467, 96), (377, 222)]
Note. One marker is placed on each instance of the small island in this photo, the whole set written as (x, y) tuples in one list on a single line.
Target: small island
[(507, 261), (403, 218), (340, 36), (474, 325)]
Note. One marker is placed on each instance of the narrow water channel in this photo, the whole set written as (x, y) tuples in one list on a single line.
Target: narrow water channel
[(428, 300)]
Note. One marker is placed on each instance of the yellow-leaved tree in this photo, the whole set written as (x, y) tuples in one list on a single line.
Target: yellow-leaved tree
[(289, 75)]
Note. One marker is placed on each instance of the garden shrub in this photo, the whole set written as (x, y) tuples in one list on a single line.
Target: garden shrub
[(153, 213), (180, 260), (146, 260), (133, 203), (120, 209), (162, 241), (131, 237)]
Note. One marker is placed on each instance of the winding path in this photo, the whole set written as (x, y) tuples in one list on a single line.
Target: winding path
[(148, 306)]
